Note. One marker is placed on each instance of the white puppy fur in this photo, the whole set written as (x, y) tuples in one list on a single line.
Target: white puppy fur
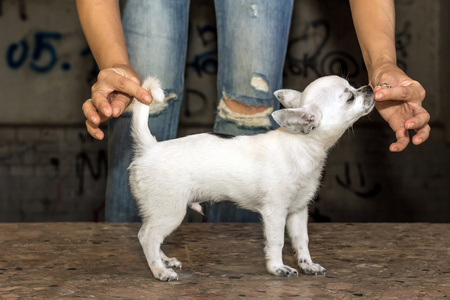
[(275, 174)]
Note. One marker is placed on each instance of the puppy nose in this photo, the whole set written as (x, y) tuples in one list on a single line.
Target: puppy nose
[(366, 89)]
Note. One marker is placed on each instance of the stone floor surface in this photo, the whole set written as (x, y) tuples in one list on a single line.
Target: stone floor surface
[(223, 261)]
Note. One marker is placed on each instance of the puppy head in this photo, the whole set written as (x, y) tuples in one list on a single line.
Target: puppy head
[(329, 103)]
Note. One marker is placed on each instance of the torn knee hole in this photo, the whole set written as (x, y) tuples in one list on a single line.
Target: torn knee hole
[(241, 108), (243, 115), (158, 107)]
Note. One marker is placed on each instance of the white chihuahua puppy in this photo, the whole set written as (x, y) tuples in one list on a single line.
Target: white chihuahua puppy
[(275, 174)]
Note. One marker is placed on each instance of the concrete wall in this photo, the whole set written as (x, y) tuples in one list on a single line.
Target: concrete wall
[(51, 170)]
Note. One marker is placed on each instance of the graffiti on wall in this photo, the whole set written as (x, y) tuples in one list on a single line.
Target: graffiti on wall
[(41, 54), (21, 10), (359, 187), (205, 62), (204, 66), (315, 61), (402, 44), (95, 164), (310, 55)]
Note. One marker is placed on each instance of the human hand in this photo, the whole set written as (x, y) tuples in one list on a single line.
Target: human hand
[(111, 95), (401, 105)]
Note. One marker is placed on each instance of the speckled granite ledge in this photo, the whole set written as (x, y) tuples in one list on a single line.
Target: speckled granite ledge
[(222, 261)]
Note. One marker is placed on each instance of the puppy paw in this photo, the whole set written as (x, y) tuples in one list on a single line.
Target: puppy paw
[(312, 269), (167, 275), (172, 263), (283, 271)]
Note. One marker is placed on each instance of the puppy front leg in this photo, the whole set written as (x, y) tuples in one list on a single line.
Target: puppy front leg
[(274, 234), (297, 226)]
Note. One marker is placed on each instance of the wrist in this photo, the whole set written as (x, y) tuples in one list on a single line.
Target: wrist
[(376, 70), (378, 59), (111, 59)]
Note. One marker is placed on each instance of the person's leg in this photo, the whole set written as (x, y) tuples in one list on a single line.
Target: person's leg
[(252, 43), (156, 37)]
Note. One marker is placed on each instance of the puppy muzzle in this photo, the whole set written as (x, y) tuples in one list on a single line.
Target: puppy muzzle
[(369, 100), (365, 90)]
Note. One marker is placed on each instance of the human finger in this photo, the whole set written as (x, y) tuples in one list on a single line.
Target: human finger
[(100, 93), (421, 135), (404, 93), (94, 130), (127, 86), (119, 103), (419, 123), (420, 119), (90, 112), (93, 119), (402, 136)]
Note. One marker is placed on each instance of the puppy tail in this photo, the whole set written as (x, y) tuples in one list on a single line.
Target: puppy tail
[(143, 139)]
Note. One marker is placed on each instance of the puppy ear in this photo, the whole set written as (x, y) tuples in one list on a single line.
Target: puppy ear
[(303, 119), (289, 98)]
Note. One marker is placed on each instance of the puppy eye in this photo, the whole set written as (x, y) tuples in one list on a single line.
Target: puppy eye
[(352, 97)]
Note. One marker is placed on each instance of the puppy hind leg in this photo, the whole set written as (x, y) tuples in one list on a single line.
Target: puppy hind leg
[(151, 242), (151, 235), (297, 226), (170, 262)]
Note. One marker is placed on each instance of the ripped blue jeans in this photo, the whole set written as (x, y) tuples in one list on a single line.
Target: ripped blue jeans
[(252, 41)]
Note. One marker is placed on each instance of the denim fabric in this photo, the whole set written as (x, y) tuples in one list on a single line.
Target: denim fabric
[(156, 36), (153, 30), (120, 207), (252, 42)]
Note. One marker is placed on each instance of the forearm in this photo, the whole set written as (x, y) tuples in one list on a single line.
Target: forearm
[(374, 23), (102, 27)]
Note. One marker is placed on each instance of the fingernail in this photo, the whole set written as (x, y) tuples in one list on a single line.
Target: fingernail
[(379, 96), (94, 120), (411, 125), (147, 99), (116, 111), (107, 112), (98, 136)]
